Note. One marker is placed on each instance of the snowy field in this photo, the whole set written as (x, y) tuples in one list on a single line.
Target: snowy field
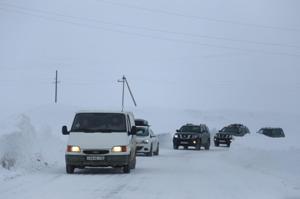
[(32, 159)]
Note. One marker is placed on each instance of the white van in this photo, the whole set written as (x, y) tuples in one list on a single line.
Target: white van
[(101, 139)]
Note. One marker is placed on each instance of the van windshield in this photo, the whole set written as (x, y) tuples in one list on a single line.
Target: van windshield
[(99, 122)]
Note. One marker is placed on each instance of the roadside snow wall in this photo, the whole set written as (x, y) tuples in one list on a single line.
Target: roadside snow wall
[(28, 148)]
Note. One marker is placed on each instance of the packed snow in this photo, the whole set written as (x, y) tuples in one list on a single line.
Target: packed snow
[(255, 166)]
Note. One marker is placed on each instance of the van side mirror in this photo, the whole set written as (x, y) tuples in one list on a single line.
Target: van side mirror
[(133, 131), (65, 130)]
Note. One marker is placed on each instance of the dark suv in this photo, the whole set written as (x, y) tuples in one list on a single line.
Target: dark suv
[(272, 132), (226, 134), (192, 135)]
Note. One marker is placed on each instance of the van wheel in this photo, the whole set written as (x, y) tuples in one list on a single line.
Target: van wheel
[(126, 169), (70, 169), (150, 153)]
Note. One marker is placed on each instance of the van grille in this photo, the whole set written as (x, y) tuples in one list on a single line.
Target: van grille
[(95, 151)]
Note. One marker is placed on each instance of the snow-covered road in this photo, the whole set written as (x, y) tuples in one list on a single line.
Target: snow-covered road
[(173, 174)]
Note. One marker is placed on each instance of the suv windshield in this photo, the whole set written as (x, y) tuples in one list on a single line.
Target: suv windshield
[(99, 122), (194, 129), (142, 132)]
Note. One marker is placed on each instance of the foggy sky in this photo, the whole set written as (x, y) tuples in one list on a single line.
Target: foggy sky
[(242, 55)]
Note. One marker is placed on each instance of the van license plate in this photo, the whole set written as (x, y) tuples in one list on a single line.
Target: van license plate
[(95, 158)]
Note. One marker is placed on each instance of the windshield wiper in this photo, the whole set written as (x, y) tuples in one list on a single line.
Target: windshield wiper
[(103, 130), (82, 130), (97, 130)]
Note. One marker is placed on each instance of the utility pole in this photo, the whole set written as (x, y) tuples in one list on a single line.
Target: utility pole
[(56, 82), (124, 81)]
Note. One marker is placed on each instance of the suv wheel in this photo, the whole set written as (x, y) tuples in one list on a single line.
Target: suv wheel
[(70, 169), (216, 143), (175, 147), (206, 147), (228, 144), (198, 146)]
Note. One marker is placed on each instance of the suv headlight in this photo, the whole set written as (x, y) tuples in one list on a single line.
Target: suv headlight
[(194, 136), (175, 136)]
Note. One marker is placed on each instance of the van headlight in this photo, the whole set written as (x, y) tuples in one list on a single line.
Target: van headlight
[(73, 149), (118, 149)]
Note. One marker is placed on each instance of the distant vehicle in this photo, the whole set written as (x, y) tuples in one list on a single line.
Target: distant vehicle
[(235, 130), (272, 132), (141, 122), (192, 135), (101, 139), (147, 141), (222, 138)]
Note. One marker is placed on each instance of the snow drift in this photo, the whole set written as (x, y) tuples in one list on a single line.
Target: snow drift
[(28, 148)]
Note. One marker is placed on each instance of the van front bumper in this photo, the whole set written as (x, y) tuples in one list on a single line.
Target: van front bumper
[(108, 160)]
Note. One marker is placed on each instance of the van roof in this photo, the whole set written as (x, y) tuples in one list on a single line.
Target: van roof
[(103, 111)]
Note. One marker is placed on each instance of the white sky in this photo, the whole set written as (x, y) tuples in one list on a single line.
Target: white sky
[(211, 54)]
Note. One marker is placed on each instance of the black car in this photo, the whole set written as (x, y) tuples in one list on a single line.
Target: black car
[(226, 134), (272, 132), (235, 130), (192, 135)]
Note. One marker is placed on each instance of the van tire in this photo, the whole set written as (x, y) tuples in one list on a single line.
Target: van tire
[(126, 169), (70, 169)]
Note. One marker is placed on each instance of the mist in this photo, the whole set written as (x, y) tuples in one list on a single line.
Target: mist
[(204, 55)]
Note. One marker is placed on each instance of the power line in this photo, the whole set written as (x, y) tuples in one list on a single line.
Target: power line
[(146, 35), (152, 10), (151, 29)]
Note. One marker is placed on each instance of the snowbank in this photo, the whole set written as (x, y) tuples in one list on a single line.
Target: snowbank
[(26, 148)]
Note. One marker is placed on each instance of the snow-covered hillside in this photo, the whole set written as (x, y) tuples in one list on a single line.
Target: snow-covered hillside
[(32, 155)]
